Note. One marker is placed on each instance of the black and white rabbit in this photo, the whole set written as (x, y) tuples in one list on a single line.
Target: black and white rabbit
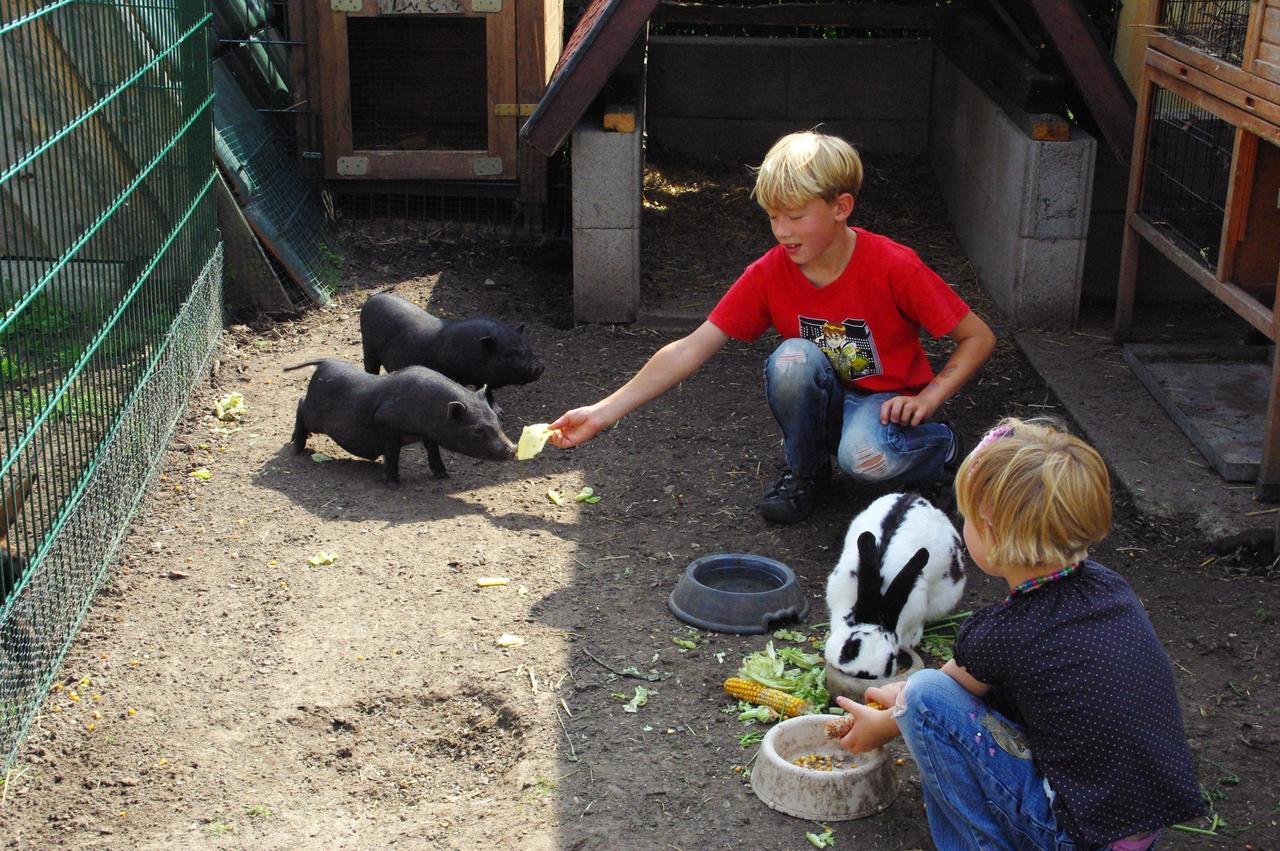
[(901, 567)]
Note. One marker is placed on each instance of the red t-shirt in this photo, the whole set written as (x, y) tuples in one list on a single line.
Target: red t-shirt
[(867, 321)]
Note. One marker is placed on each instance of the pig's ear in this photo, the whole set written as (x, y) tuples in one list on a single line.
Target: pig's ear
[(487, 345), (520, 328), (456, 409), (484, 388)]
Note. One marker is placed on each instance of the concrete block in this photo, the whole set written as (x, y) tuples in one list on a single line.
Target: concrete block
[(748, 141), (1020, 207), (606, 274), (874, 79), (717, 77), (606, 171)]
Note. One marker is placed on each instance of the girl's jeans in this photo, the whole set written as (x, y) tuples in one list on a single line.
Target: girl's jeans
[(981, 789), (819, 417)]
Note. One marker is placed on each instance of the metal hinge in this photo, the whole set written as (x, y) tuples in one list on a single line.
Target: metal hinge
[(509, 109), (353, 166), (486, 166), (346, 5), (486, 5)]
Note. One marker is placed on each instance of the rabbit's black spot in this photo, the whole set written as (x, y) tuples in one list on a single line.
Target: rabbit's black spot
[(957, 567), (850, 650), (903, 660), (888, 668)]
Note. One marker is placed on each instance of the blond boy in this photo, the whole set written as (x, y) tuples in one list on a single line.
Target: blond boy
[(850, 377)]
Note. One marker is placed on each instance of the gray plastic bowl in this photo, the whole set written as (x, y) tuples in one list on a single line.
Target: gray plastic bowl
[(737, 592)]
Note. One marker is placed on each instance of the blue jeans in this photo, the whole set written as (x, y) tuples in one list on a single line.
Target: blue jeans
[(981, 789), (820, 417)]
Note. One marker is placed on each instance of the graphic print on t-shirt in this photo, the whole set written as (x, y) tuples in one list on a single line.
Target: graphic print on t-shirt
[(848, 345)]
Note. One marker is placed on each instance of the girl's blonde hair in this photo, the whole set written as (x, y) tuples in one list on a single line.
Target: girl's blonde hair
[(807, 165), (1037, 495)]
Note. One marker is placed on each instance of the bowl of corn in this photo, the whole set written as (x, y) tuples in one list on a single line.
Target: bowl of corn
[(803, 772)]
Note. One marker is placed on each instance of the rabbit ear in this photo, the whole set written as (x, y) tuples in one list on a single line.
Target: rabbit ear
[(895, 598), (13, 505), (868, 602)]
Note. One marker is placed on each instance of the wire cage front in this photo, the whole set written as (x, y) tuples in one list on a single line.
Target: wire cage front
[(1188, 172), (1217, 27), (418, 83)]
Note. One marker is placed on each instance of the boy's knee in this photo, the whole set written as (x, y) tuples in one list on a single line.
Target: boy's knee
[(927, 688), (795, 364), (864, 463)]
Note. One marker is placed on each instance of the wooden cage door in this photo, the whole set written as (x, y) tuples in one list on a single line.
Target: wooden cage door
[(1262, 45), (376, 59)]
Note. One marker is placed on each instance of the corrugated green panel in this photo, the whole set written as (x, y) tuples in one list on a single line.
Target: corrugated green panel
[(109, 258)]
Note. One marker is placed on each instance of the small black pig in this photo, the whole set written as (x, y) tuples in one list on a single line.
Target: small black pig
[(372, 415), (481, 352)]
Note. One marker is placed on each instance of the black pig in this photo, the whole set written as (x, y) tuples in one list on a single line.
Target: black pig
[(481, 352), (373, 415)]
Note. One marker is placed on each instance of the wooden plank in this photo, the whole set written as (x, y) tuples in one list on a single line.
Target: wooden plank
[(330, 56), (301, 72), (1126, 287), (1220, 89), (859, 16), (410, 165), (534, 38), (1096, 75), (1257, 247), (500, 68), (1236, 210), (1225, 71), (599, 42), (1240, 301)]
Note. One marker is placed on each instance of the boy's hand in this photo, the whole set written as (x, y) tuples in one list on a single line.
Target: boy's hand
[(886, 695), (577, 427), (907, 410), (871, 727)]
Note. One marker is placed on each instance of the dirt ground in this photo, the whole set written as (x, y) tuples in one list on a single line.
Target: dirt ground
[(229, 694)]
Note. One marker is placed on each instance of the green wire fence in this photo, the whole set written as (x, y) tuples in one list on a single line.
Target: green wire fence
[(110, 293)]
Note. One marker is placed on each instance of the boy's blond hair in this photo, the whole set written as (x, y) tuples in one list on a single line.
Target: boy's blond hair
[(807, 165), (1045, 493)]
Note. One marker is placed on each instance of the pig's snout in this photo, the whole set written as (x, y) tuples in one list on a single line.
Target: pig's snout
[(536, 368)]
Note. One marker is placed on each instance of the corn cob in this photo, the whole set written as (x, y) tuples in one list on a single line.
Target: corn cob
[(838, 728), (784, 704)]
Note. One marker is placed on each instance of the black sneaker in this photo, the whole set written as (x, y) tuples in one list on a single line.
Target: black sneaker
[(792, 498)]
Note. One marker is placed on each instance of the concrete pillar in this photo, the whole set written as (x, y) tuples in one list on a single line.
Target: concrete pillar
[(607, 175), (1020, 207)]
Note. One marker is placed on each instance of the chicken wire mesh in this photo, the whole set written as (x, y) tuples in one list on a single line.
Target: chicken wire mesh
[(1188, 169), (1217, 27), (110, 275)]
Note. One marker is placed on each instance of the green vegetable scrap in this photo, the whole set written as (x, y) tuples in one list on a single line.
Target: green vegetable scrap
[(822, 840), (229, 408), (755, 737), (587, 495), (685, 643), (320, 457), (790, 670), (555, 496), (640, 698), (789, 635), (322, 557), (940, 636), (202, 474), (751, 714)]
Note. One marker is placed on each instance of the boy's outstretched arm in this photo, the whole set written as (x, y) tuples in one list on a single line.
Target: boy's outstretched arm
[(670, 365), (975, 342)]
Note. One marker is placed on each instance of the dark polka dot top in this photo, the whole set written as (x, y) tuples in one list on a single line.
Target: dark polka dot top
[(1078, 664)]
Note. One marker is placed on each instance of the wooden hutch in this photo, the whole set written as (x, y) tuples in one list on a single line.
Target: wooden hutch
[(1204, 186)]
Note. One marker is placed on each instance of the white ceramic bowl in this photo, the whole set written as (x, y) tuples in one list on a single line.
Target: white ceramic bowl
[(864, 789), (854, 688)]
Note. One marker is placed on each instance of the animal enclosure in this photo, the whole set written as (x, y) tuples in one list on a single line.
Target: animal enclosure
[(1206, 170), (111, 292)]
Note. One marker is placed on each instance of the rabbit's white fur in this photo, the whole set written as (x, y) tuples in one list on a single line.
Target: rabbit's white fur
[(935, 593)]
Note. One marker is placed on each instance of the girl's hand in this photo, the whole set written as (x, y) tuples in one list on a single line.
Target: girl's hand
[(886, 695), (871, 727), (576, 427)]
